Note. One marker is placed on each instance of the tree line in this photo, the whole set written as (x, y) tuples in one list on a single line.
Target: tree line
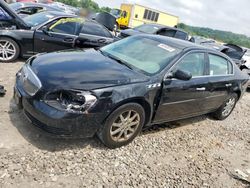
[(223, 36)]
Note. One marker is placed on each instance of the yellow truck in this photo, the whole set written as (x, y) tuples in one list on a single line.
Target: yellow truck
[(133, 15)]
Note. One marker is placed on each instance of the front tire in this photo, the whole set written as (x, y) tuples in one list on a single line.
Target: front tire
[(122, 126), (226, 109), (9, 50)]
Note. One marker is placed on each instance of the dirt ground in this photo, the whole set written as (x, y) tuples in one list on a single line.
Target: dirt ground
[(198, 152)]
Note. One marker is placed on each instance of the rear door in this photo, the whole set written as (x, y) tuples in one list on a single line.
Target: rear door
[(61, 34), (93, 35), (221, 80), (181, 99)]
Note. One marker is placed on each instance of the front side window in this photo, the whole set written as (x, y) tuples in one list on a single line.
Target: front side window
[(67, 26), (193, 63), (219, 65), (148, 55)]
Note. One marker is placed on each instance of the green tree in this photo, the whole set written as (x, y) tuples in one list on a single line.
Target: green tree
[(89, 4), (223, 36)]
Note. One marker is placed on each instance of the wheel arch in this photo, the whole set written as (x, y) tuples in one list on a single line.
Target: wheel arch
[(238, 92), (14, 39), (138, 100)]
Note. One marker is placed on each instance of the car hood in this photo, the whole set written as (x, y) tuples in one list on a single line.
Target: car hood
[(84, 70), (18, 20)]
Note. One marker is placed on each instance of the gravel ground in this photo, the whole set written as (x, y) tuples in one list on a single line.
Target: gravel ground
[(198, 152)]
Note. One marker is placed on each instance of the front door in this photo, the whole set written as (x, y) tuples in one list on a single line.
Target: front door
[(58, 35), (181, 99)]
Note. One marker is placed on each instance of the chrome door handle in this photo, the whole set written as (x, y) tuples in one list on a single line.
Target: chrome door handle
[(201, 89), (228, 85)]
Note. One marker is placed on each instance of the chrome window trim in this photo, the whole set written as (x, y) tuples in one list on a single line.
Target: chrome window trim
[(89, 35), (225, 59), (204, 76)]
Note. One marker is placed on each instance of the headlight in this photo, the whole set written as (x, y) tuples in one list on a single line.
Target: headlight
[(31, 83), (71, 101)]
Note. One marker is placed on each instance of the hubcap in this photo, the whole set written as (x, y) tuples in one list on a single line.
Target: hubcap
[(229, 107), (125, 126), (7, 50)]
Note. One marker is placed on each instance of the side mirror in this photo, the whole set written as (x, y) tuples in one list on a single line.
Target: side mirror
[(180, 75), (46, 30)]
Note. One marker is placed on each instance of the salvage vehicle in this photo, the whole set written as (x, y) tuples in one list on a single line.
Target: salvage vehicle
[(117, 90), (233, 51), (245, 67), (50, 31), (155, 29), (25, 9)]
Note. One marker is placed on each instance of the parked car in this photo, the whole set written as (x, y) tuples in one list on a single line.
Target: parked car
[(25, 9), (233, 51), (50, 31), (155, 29), (245, 67), (117, 90), (9, 19)]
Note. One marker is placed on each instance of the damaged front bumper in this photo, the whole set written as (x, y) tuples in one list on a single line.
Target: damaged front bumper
[(56, 122)]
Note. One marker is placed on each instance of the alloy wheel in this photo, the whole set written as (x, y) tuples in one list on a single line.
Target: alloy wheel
[(229, 107), (7, 50), (125, 126)]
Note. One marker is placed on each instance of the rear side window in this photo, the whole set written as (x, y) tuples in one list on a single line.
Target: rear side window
[(181, 35), (219, 65), (193, 63), (91, 28), (167, 32)]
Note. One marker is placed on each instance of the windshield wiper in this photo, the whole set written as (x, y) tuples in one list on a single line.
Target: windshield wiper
[(116, 59)]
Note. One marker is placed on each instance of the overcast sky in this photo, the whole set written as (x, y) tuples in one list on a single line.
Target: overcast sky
[(229, 15)]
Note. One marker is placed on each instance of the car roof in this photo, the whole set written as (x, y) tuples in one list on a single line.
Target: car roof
[(166, 27)]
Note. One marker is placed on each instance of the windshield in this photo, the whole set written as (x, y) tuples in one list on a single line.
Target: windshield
[(115, 12), (148, 55), (37, 19), (150, 29), (16, 6)]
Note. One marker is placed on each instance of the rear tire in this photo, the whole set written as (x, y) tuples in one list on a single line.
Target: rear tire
[(9, 50), (226, 109), (122, 126)]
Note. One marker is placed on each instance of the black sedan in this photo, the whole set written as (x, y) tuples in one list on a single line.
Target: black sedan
[(47, 32), (116, 91), (156, 29)]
